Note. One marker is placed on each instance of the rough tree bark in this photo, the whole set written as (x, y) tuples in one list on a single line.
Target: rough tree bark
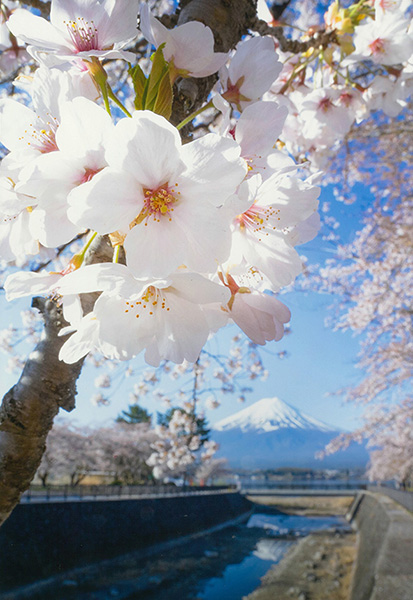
[(47, 384)]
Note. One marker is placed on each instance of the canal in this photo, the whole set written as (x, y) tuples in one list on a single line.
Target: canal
[(224, 565)]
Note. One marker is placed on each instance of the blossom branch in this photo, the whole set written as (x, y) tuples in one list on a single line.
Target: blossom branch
[(320, 39)]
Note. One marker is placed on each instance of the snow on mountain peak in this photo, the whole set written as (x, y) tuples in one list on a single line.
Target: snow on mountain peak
[(270, 414)]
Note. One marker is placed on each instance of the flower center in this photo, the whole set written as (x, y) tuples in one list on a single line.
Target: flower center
[(325, 105), (256, 218), (43, 139), (377, 46), (233, 93), (158, 204), (252, 166), (347, 99), (152, 300), (83, 35), (88, 175)]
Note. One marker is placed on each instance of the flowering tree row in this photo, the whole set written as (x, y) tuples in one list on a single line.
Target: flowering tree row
[(153, 201), (118, 454), (372, 277)]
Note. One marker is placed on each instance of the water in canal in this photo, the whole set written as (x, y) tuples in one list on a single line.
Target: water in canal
[(239, 580)]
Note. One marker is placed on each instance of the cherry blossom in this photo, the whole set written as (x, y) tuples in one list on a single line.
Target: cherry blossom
[(262, 317), (259, 231), (251, 71), (257, 131), (387, 95), (32, 131), (78, 29), (49, 179), (164, 192), (189, 48), (385, 40), (148, 314), (16, 239)]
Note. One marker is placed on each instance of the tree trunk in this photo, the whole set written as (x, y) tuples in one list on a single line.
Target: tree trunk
[(46, 385), (28, 409)]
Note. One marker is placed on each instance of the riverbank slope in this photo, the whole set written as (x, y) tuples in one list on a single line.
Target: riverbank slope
[(319, 566)]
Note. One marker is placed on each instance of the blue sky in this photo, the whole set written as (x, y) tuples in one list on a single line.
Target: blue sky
[(320, 361)]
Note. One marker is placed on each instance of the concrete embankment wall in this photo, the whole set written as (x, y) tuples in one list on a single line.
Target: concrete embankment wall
[(42, 539), (384, 566)]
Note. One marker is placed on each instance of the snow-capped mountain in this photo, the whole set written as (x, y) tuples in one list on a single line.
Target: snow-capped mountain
[(271, 434), (270, 414)]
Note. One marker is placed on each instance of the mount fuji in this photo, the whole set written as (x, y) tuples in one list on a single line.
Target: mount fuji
[(273, 434)]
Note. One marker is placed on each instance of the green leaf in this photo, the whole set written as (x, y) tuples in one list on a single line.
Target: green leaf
[(139, 83), (164, 99), (159, 68)]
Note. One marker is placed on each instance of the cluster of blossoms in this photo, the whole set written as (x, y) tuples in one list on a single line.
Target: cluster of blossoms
[(368, 66), (203, 233), (175, 448), (206, 228)]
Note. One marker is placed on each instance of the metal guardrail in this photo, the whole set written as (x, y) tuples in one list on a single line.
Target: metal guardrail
[(292, 485), (93, 492)]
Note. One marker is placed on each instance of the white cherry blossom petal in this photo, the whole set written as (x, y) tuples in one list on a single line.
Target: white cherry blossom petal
[(110, 201)]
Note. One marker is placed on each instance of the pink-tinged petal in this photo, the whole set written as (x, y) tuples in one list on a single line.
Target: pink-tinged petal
[(213, 65), (156, 249), (248, 320), (260, 316), (35, 30), (189, 46), (107, 203), (216, 316), (147, 147), (26, 283), (265, 302), (259, 127)]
